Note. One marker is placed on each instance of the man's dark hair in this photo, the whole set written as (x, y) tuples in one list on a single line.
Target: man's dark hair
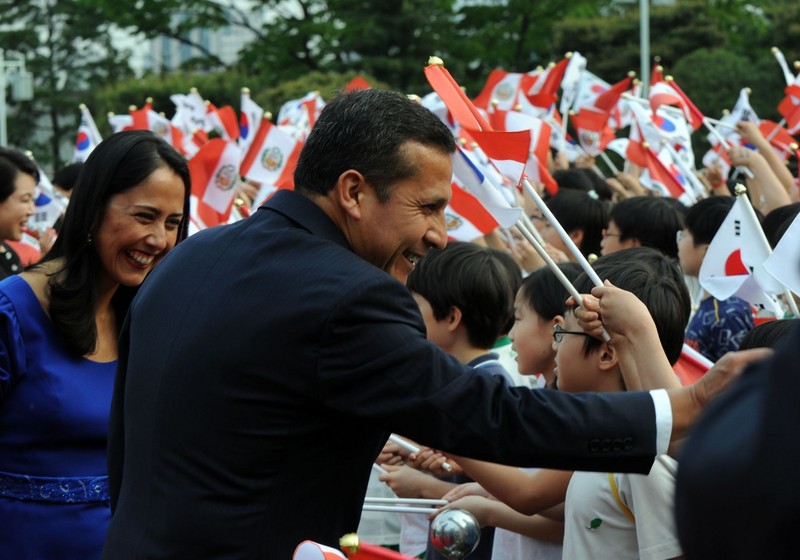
[(366, 130), (12, 163), (657, 281), (652, 220), (576, 210), (583, 179), (473, 279), (706, 216)]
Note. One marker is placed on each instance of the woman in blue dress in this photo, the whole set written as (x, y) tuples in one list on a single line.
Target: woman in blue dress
[(59, 323)]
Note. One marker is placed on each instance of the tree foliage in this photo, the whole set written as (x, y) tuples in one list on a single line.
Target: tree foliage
[(711, 48), (68, 49)]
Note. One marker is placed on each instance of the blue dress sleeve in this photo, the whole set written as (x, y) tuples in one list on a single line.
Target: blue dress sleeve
[(13, 360)]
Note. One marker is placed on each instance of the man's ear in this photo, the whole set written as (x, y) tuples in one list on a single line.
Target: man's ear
[(608, 357), (349, 192)]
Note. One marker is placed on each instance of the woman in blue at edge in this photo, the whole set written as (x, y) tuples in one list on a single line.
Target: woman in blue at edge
[(59, 323)]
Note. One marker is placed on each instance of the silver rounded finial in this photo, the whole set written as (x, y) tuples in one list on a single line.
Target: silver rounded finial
[(455, 533)]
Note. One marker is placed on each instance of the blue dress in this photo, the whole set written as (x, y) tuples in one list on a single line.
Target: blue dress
[(54, 410)]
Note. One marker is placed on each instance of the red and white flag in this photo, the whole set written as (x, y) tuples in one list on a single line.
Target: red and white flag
[(272, 156), (691, 365), (544, 91), (668, 93), (301, 114), (223, 121), (466, 218), (501, 91), (88, 136), (592, 130), (467, 174), (310, 550), (734, 262), (147, 119), (214, 171), (789, 108)]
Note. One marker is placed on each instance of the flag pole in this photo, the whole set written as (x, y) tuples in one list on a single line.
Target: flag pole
[(725, 145), (787, 74), (775, 130), (608, 162), (741, 191), (406, 501), (413, 449), (697, 186)]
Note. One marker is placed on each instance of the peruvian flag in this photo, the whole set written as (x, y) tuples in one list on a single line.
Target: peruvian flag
[(250, 115), (88, 136), (310, 550), (357, 83), (779, 138), (466, 218), (272, 156), (214, 171), (734, 261), (501, 88), (514, 121), (223, 121), (508, 151), (664, 175), (789, 108), (468, 175), (147, 119), (591, 127), (544, 91)]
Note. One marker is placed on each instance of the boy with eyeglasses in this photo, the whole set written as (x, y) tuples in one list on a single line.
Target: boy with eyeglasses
[(613, 515)]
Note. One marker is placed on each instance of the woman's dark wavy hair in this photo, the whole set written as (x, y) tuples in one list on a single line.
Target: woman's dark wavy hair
[(118, 164)]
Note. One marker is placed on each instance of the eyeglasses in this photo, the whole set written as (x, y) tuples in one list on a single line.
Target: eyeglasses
[(558, 333)]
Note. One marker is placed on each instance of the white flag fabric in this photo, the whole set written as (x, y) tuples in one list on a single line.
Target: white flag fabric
[(784, 263), (88, 136), (734, 262), (49, 205), (309, 550), (250, 115), (468, 176), (214, 171), (272, 156)]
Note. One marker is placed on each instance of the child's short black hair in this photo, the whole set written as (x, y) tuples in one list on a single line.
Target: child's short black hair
[(706, 216), (653, 220), (476, 280), (768, 335), (576, 210), (544, 293), (777, 221), (657, 281)]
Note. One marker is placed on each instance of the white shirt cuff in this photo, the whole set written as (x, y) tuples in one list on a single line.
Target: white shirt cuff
[(663, 419)]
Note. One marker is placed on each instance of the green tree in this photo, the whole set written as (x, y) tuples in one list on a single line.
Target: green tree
[(68, 48)]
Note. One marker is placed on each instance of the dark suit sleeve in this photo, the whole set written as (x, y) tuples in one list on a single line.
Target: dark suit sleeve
[(375, 363), (116, 439)]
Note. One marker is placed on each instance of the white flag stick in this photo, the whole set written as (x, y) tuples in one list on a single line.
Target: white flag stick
[(379, 469), (399, 509), (723, 124), (725, 144), (787, 74), (762, 239), (587, 268), (609, 163), (532, 228), (414, 449), (556, 270), (697, 186), (776, 130), (406, 501)]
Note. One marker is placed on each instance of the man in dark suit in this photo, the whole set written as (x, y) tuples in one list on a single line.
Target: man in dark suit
[(737, 495), (263, 364)]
